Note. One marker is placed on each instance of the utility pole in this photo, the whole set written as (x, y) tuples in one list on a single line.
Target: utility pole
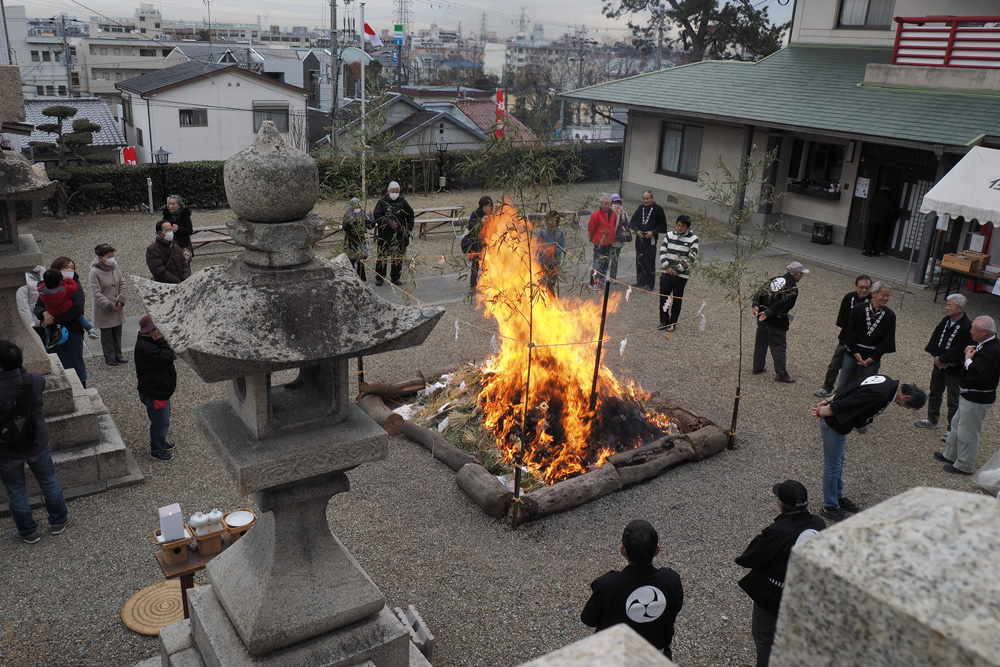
[(67, 59), (334, 74)]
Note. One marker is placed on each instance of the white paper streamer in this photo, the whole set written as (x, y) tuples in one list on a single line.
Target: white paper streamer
[(456, 329), (628, 293), (703, 304), (442, 260), (495, 344), (701, 325), (667, 304), (621, 350), (413, 264)]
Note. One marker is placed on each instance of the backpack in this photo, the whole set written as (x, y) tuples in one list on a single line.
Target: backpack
[(17, 432)]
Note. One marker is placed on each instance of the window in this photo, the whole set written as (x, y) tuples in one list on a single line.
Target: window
[(106, 76), (147, 53), (276, 112), (104, 52), (72, 51), (138, 136), (142, 30), (35, 57), (193, 117), (39, 90), (822, 163), (867, 13), (62, 91), (127, 109), (75, 78), (118, 76), (46, 57), (164, 52), (142, 18), (156, 25), (50, 91), (680, 150), (116, 52)]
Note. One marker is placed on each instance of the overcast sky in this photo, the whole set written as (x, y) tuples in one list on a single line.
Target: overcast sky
[(556, 16)]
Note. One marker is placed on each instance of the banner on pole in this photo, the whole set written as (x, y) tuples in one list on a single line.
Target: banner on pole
[(128, 156), (501, 114)]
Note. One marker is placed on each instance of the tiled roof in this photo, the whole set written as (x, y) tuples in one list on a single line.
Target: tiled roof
[(170, 76), (92, 108), (808, 88), (483, 114)]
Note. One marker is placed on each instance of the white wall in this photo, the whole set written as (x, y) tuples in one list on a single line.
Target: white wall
[(816, 20), (812, 208), (228, 98)]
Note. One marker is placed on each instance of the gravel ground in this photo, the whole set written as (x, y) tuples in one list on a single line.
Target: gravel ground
[(490, 596)]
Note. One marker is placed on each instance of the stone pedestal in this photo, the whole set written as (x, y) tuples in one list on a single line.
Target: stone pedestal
[(912, 581), (15, 260), (618, 646)]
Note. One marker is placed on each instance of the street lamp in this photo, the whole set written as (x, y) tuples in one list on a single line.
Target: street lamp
[(162, 157), (442, 147)]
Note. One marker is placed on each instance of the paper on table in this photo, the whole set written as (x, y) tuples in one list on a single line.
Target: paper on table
[(976, 242)]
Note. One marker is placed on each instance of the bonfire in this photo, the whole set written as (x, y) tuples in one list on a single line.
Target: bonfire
[(540, 399)]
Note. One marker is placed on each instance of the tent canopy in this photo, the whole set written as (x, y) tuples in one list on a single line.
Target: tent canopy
[(971, 189)]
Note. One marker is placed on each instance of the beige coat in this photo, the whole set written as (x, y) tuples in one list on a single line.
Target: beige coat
[(107, 287)]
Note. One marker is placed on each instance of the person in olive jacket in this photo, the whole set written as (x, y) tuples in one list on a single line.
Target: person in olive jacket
[(767, 557), (154, 368)]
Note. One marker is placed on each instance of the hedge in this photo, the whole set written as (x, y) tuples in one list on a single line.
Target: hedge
[(201, 184)]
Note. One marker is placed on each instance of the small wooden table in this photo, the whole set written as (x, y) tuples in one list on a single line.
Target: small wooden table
[(185, 571), (950, 276), (445, 215)]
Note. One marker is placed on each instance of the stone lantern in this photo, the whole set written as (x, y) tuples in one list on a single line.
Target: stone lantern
[(287, 593)]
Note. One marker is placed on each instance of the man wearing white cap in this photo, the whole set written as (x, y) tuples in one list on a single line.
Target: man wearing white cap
[(771, 306)]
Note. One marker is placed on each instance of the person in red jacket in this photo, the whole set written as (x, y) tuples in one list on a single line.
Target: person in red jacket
[(601, 229)]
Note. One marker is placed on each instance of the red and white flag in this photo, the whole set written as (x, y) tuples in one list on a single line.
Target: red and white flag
[(372, 37), (501, 114)]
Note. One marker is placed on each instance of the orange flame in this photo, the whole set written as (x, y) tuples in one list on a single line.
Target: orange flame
[(563, 436)]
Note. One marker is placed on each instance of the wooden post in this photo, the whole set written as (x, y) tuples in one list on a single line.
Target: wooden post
[(600, 342)]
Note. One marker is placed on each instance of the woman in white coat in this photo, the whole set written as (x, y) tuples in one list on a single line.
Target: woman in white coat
[(108, 290)]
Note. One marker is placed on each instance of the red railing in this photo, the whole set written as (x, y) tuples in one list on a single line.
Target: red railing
[(947, 41)]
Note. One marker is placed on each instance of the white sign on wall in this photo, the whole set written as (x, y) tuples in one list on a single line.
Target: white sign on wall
[(861, 188)]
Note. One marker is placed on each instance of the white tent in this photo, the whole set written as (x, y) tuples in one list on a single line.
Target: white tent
[(971, 189)]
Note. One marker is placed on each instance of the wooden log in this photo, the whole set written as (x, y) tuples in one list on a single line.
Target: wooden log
[(708, 441), (406, 387), (650, 460), (377, 410), (444, 451), (569, 493), (485, 489)]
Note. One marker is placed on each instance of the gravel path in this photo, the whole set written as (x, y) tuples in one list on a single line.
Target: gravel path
[(491, 597)]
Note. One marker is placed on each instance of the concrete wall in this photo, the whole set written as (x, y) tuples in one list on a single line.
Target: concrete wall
[(816, 20)]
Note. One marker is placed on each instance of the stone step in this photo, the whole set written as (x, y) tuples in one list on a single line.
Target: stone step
[(58, 396), (102, 464), (78, 427)]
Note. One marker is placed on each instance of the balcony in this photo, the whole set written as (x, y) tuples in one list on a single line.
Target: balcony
[(948, 41)]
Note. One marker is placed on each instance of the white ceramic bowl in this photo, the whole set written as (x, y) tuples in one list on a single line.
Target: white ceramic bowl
[(239, 518)]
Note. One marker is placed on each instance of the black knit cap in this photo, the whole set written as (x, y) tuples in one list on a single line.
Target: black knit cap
[(791, 494)]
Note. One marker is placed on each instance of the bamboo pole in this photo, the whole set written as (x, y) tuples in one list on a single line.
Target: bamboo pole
[(527, 384), (600, 343)]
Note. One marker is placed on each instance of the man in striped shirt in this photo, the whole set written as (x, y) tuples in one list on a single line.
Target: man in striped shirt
[(678, 254)]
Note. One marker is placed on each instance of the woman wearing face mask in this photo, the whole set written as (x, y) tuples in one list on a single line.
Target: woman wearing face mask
[(354, 226), (71, 352), (108, 289)]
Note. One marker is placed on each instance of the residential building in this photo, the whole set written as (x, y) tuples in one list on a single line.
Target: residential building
[(108, 141), (207, 111), (869, 93), (147, 20), (40, 57)]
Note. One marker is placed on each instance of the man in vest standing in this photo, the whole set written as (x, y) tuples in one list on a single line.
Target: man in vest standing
[(977, 388), (648, 222), (947, 347)]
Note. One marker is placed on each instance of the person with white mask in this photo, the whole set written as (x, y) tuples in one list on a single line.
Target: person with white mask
[(392, 220), (108, 289), (165, 258)]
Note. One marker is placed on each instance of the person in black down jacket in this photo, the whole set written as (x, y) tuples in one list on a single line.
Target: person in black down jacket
[(771, 306), (767, 557), (179, 216), (37, 455), (164, 257), (392, 220), (154, 368)]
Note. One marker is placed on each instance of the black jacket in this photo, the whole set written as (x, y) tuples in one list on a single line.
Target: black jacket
[(776, 299), (10, 386), (860, 402), (950, 347), (978, 382), (386, 212), (847, 304), (165, 262), (71, 318), (154, 368), (868, 334), (614, 601), (182, 218), (475, 227), (767, 556), (656, 220)]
